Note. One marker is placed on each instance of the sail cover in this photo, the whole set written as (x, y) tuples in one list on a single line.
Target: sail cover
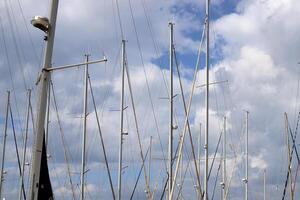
[(45, 188)]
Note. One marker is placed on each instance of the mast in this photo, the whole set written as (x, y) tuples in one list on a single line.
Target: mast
[(223, 184), (24, 148), (42, 104), (171, 111), (207, 102), (121, 122), (83, 159), (264, 184), (199, 147), (48, 114), (180, 196), (289, 155), (4, 142), (149, 167), (246, 160)]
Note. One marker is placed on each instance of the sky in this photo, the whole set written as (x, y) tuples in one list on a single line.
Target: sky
[(253, 47)]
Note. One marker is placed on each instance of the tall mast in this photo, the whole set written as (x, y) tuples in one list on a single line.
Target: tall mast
[(246, 160), (199, 149), (42, 104), (48, 114), (4, 142), (24, 148), (207, 102), (121, 122), (149, 167), (83, 160), (289, 155), (264, 184), (224, 162), (171, 111)]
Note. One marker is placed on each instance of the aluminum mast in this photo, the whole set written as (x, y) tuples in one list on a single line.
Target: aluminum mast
[(206, 102), (83, 159), (121, 122), (170, 111), (42, 104), (4, 142)]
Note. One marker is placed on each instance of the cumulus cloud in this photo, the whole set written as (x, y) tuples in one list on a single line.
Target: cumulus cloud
[(254, 48)]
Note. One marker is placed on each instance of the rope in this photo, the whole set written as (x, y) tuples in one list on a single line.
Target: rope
[(120, 21), (138, 177), (212, 164), (63, 140), (101, 138), (17, 151), (9, 66), (147, 84), (15, 43), (216, 180)]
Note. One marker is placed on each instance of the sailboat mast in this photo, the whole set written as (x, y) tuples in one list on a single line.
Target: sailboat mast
[(224, 162), (246, 160), (4, 141), (264, 184), (207, 102), (199, 148), (42, 105), (24, 147), (121, 122), (149, 164), (171, 111), (83, 160), (48, 114), (289, 155)]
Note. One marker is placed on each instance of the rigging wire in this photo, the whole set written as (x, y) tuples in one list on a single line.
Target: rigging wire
[(101, 137), (294, 148), (298, 165), (234, 148), (212, 164), (231, 108), (188, 124), (146, 79), (147, 83), (183, 179), (150, 28), (108, 90), (9, 66), (139, 174), (120, 21), (216, 180), (63, 140), (28, 32), (33, 133), (17, 151), (136, 124), (297, 97), (15, 44)]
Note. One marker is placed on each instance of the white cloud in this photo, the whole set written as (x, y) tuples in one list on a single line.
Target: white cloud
[(259, 55)]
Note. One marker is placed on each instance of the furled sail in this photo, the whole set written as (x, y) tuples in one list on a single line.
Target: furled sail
[(45, 188)]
